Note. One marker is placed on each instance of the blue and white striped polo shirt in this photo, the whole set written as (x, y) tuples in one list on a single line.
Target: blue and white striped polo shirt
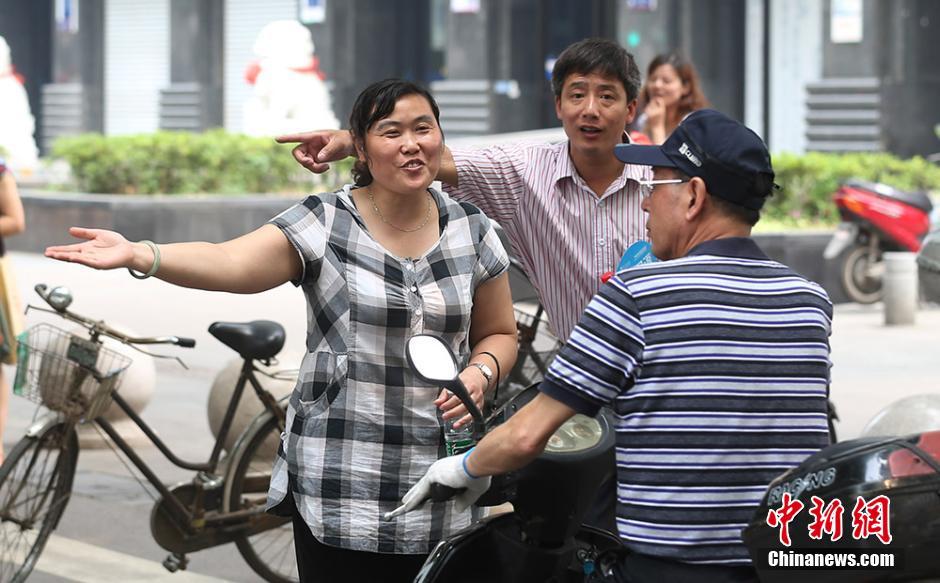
[(716, 366)]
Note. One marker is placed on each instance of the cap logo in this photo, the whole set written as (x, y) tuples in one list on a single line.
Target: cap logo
[(685, 151)]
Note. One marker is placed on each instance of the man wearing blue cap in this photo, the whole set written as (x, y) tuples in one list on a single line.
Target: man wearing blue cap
[(715, 362)]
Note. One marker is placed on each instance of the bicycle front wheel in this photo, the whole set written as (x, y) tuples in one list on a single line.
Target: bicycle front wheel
[(269, 548), (35, 485)]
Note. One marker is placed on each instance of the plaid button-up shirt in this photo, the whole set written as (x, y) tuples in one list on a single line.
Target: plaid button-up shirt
[(361, 428)]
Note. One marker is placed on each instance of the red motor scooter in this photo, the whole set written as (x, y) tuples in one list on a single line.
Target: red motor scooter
[(875, 218)]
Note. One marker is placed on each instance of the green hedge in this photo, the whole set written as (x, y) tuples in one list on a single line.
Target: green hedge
[(183, 162), (220, 162), (808, 181)]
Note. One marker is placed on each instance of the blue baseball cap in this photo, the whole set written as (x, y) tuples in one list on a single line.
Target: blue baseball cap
[(731, 159)]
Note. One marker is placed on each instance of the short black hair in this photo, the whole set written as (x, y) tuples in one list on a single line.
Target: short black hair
[(724, 206), (597, 55), (375, 103), (738, 212)]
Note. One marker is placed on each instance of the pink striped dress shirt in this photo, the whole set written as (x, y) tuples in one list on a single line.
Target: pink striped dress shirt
[(565, 235)]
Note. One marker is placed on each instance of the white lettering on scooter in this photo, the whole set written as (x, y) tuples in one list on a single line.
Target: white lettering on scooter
[(807, 483)]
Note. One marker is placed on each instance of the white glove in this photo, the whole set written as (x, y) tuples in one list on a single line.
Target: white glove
[(449, 471)]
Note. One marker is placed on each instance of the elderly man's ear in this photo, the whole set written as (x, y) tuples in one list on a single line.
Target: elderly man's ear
[(696, 196)]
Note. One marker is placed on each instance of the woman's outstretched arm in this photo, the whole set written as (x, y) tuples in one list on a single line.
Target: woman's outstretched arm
[(252, 263)]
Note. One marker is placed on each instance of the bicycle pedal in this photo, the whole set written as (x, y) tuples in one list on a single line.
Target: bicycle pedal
[(175, 562)]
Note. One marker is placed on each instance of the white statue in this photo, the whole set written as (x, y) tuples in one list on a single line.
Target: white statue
[(16, 120), (289, 93)]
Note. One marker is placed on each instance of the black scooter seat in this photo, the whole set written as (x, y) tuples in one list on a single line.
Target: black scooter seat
[(258, 340)]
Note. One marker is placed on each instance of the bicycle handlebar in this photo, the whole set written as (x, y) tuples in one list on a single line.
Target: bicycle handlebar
[(60, 305)]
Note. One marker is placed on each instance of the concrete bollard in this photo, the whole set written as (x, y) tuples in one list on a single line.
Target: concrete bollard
[(900, 288)]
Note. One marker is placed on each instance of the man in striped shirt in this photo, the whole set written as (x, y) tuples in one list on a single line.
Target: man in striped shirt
[(569, 209), (715, 362)]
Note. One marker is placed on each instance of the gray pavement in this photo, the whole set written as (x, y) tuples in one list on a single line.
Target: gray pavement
[(104, 535)]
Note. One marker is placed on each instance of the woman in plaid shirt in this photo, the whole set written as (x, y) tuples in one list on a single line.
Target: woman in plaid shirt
[(379, 261)]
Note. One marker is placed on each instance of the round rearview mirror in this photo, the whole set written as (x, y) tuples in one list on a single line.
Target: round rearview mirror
[(431, 359), (60, 298)]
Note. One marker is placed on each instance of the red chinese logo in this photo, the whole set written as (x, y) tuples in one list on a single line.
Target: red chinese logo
[(872, 518), (827, 518), (783, 516)]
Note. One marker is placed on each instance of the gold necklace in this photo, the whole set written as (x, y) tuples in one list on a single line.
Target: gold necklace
[(427, 215)]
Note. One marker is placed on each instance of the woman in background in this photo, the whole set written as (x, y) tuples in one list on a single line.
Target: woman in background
[(671, 92), (12, 222)]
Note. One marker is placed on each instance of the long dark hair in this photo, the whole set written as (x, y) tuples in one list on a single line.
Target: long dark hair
[(691, 101), (376, 102)]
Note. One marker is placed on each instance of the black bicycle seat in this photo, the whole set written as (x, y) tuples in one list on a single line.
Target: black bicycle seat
[(259, 340)]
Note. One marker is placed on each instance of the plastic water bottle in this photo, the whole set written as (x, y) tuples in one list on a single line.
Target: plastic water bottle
[(457, 439)]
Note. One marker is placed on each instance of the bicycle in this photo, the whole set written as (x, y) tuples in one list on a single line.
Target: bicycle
[(76, 379), (537, 345)]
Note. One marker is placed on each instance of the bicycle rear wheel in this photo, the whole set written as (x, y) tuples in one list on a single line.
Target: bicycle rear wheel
[(269, 549), (35, 485)]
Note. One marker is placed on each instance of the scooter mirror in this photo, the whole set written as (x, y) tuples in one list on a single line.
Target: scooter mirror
[(431, 359), (435, 363)]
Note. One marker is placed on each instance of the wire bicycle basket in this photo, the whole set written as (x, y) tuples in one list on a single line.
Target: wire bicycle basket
[(67, 373)]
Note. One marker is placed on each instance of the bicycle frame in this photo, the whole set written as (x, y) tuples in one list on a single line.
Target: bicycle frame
[(527, 328), (191, 520)]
